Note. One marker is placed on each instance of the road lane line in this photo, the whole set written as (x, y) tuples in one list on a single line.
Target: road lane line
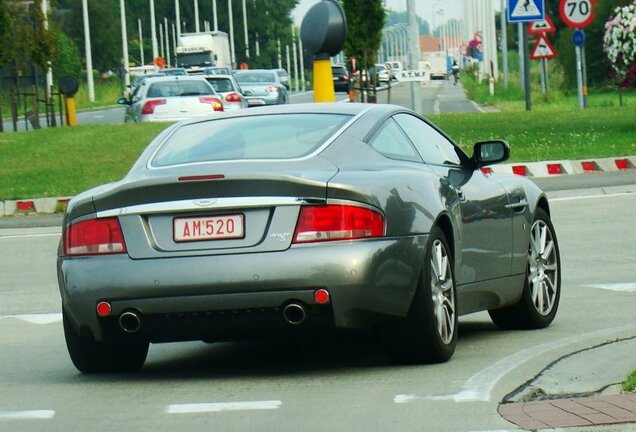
[(48, 318), (613, 195), (24, 236), (622, 287), (478, 388), (222, 406), (27, 415)]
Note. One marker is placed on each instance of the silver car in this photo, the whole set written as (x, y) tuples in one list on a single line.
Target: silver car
[(171, 98), (300, 218), (262, 87), (227, 87)]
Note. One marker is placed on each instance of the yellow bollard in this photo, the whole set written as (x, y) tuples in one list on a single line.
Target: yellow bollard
[(71, 114), (323, 81)]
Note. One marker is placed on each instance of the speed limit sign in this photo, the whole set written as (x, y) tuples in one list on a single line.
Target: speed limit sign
[(577, 13)]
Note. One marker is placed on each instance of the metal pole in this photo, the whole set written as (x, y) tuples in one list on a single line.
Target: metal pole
[(89, 55), (247, 44), (544, 82), (174, 45), (288, 62), (167, 39), (177, 15), (231, 18), (49, 71), (196, 16), (414, 54), (584, 63), (124, 42), (141, 42), (504, 44), (153, 30), (215, 18), (522, 59), (526, 66), (161, 49), (302, 64), (280, 55), (295, 56), (579, 76)]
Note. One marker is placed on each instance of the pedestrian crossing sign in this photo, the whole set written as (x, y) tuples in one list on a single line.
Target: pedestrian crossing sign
[(526, 10)]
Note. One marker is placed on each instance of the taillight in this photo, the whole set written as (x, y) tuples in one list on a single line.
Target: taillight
[(94, 237), (149, 107), (217, 105), (271, 89), (337, 222), (233, 97)]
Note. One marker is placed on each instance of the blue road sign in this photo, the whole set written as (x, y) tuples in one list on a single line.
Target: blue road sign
[(578, 37), (526, 10)]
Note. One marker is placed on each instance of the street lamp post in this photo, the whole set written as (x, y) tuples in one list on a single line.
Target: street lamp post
[(89, 55), (214, 16), (141, 43), (153, 30), (231, 18), (124, 41), (247, 44)]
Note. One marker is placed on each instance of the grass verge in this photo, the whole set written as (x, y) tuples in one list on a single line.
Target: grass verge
[(65, 161), (629, 385)]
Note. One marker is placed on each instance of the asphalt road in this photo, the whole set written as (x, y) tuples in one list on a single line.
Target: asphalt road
[(340, 383)]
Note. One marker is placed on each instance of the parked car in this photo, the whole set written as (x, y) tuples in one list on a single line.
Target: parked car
[(341, 78), (171, 98), (227, 87), (382, 72), (304, 217), (262, 87)]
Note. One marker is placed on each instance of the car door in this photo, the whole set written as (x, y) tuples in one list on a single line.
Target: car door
[(477, 203)]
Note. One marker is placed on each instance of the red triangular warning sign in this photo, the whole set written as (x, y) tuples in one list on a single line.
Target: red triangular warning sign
[(543, 49), (544, 26)]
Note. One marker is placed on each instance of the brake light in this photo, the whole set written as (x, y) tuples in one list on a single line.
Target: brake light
[(217, 105), (271, 89), (94, 237), (233, 97), (149, 107), (337, 222)]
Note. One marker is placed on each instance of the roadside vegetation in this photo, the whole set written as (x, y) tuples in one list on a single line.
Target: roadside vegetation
[(629, 385), (65, 161)]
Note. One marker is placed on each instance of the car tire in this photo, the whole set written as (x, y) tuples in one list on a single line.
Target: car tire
[(429, 332), (541, 293), (90, 356)]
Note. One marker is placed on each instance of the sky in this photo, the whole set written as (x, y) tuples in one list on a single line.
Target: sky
[(424, 8)]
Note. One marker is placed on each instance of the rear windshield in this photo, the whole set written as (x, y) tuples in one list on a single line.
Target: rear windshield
[(277, 136), (179, 88), (255, 77)]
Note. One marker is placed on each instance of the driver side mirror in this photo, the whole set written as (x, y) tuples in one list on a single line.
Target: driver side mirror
[(123, 101), (490, 152)]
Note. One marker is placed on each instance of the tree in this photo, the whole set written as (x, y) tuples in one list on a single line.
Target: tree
[(68, 61), (365, 21), (619, 43)]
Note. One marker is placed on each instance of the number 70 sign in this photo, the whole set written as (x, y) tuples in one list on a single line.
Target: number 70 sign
[(577, 13)]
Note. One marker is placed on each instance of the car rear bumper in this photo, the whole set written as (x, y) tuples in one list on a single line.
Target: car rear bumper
[(226, 297)]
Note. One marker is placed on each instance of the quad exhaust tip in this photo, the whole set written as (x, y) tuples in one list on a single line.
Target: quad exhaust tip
[(295, 313)]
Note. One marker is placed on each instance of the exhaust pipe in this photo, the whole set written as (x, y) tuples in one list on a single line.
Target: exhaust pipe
[(294, 313), (130, 322)]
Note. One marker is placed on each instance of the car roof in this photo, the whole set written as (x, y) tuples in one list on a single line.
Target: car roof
[(175, 78)]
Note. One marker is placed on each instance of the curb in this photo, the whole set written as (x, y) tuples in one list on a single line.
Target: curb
[(556, 168), (532, 169)]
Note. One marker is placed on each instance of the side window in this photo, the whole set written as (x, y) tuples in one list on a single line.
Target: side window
[(392, 143), (433, 147)]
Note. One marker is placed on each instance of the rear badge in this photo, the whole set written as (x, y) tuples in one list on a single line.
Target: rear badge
[(204, 202)]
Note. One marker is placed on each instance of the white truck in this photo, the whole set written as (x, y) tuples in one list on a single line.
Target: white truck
[(435, 64), (198, 51)]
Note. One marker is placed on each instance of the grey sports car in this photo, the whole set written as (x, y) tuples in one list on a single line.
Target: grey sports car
[(297, 217)]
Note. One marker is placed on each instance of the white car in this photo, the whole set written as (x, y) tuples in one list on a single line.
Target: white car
[(171, 98), (227, 87)]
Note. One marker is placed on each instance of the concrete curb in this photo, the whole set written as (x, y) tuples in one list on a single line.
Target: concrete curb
[(532, 169)]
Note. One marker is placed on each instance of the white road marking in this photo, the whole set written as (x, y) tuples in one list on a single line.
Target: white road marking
[(27, 415), (23, 236), (222, 406), (37, 318), (592, 196), (624, 287), (479, 387)]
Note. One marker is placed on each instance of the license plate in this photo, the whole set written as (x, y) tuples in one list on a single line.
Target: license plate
[(208, 228), (256, 101)]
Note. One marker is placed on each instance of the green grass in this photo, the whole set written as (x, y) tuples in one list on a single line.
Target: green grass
[(549, 135), (65, 161), (629, 385)]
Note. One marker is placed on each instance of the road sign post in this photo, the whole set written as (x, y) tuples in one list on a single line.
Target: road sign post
[(578, 14)]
